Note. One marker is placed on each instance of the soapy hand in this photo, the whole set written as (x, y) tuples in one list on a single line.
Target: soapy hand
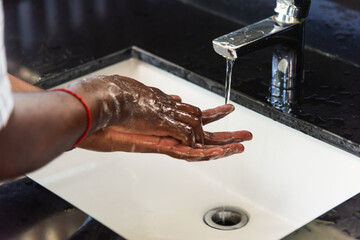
[(125, 102), (215, 145), (129, 116)]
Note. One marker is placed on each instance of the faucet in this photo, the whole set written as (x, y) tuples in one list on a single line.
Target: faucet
[(285, 30)]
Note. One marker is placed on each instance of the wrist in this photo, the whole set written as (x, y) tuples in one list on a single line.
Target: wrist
[(97, 93), (88, 114)]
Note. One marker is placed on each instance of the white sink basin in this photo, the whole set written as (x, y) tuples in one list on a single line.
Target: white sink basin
[(283, 180)]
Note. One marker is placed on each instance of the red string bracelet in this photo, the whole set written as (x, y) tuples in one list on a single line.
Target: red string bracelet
[(87, 112)]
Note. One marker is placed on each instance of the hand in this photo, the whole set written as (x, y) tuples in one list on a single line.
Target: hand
[(213, 146), (139, 109)]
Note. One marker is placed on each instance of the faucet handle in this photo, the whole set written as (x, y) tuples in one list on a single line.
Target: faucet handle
[(292, 11)]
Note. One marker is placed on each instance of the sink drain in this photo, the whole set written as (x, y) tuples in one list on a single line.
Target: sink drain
[(228, 218)]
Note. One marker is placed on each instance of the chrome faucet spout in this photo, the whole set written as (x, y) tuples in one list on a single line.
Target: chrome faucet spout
[(250, 38), (288, 15), (285, 31)]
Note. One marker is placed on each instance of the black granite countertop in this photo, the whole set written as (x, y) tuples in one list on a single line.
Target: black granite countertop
[(49, 42)]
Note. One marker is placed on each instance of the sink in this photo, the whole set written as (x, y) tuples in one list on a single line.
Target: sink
[(283, 180)]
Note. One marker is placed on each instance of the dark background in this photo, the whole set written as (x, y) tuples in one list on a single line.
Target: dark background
[(333, 26)]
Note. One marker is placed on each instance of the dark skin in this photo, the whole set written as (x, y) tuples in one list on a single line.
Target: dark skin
[(216, 145), (32, 136), (127, 116)]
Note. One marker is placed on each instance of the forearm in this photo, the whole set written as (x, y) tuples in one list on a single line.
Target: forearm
[(18, 85), (42, 126)]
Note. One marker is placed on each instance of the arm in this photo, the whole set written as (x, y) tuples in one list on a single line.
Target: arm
[(18, 85), (38, 130), (166, 126)]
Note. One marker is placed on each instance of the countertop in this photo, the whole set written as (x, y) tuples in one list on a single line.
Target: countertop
[(50, 42)]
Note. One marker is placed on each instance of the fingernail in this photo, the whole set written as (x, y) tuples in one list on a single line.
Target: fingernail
[(234, 148), (249, 135), (230, 106)]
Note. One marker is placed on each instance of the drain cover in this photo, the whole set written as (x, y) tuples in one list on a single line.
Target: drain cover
[(226, 218)]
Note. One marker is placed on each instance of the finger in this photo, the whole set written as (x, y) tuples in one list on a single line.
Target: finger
[(203, 154), (211, 115), (186, 114), (109, 140), (191, 116), (184, 107), (191, 154), (184, 133), (173, 128), (221, 138), (193, 121), (233, 148), (176, 98), (117, 141), (181, 151)]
